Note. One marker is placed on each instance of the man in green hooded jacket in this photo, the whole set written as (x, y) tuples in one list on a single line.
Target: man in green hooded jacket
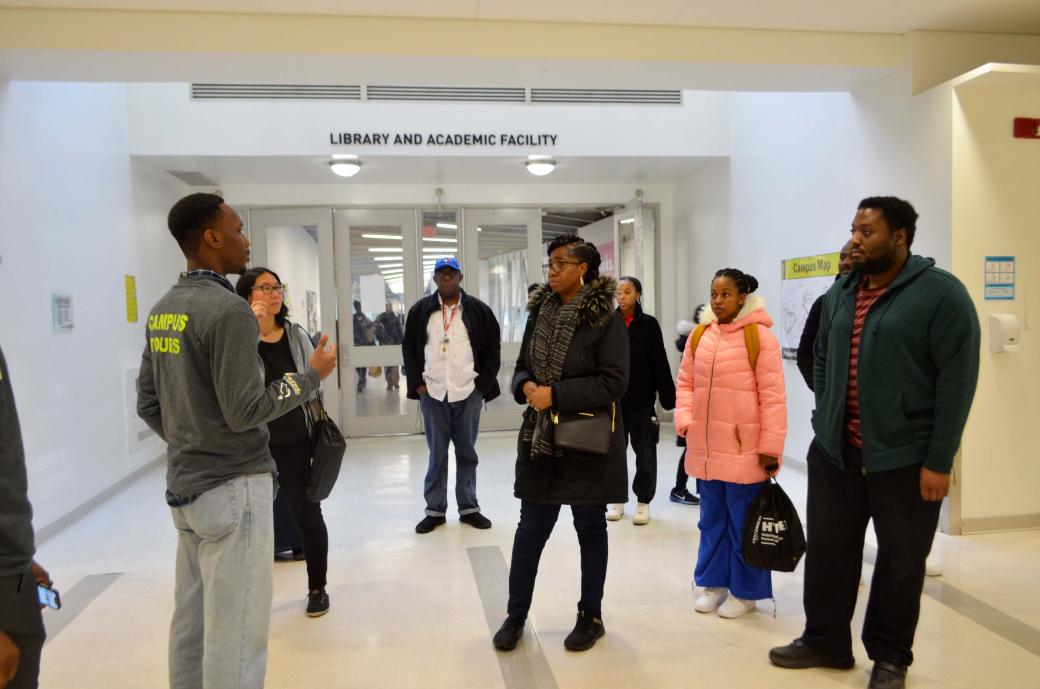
[(896, 366)]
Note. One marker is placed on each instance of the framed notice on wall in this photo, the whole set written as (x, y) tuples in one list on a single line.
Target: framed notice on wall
[(61, 313), (802, 281)]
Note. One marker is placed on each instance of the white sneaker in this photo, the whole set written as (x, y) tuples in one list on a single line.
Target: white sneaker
[(642, 514), (710, 599), (615, 512), (932, 568), (736, 607)]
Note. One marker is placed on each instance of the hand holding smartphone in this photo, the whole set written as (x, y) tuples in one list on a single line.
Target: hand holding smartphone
[(48, 597)]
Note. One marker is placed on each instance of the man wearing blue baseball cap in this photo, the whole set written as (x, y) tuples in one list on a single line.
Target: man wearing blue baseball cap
[(452, 352)]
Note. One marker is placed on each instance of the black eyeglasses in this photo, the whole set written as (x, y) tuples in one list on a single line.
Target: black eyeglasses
[(557, 265), (268, 290)]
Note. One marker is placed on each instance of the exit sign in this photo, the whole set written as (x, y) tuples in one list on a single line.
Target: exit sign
[(1027, 128)]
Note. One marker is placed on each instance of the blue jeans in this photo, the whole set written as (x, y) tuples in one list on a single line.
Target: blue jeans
[(222, 596), (458, 423), (720, 558)]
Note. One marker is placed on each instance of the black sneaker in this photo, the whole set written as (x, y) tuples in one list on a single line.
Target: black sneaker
[(476, 520), (317, 603), (508, 635), (587, 629), (429, 523), (797, 656), (886, 675), (683, 497)]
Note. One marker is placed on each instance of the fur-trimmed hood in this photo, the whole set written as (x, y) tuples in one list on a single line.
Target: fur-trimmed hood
[(753, 311), (597, 307)]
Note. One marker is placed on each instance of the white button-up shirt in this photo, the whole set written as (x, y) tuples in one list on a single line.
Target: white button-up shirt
[(449, 374)]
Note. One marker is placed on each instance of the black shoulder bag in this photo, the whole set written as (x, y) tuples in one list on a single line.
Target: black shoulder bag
[(588, 432), (327, 449)]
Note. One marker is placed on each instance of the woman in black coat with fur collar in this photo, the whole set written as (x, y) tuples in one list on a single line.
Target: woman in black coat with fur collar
[(574, 358)]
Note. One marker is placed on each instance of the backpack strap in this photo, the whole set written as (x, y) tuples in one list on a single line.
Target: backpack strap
[(752, 344), (695, 339)]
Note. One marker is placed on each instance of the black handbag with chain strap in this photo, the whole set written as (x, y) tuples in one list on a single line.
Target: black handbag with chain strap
[(589, 432)]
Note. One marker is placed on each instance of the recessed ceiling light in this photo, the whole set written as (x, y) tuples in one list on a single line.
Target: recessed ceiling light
[(385, 249), (447, 226), (386, 258), (396, 237), (626, 221), (441, 239)]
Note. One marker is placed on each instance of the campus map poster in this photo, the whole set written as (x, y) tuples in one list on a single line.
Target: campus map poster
[(802, 281)]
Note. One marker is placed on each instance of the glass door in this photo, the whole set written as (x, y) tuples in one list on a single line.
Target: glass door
[(636, 248), (501, 258), (296, 244), (377, 281)]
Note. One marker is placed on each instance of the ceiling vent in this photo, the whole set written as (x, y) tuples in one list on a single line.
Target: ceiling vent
[(448, 93), (275, 92), (193, 179), (613, 96)]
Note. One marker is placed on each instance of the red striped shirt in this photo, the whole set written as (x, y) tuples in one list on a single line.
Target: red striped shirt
[(865, 298)]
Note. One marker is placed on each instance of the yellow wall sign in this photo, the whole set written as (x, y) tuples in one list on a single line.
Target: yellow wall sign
[(811, 266), (131, 299)]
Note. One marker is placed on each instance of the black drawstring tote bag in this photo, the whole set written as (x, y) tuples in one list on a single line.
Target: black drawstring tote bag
[(773, 536)]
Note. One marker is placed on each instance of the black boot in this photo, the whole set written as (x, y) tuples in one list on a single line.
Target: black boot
[(508, 635), (587, 629)]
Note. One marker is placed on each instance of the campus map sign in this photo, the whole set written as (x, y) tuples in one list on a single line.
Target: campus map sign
[(802, 281)]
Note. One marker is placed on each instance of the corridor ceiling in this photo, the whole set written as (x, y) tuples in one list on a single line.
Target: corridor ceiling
[(862, 16)]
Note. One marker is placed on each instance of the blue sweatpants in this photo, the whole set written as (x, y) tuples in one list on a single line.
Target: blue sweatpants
[(720, 558)]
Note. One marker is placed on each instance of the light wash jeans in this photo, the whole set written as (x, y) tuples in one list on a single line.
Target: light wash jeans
[(218, 636), (457, 423)]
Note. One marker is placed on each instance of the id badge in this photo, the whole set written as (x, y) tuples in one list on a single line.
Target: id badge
[(444, 348)]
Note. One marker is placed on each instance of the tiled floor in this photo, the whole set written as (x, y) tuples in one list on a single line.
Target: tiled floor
[(407, 609)]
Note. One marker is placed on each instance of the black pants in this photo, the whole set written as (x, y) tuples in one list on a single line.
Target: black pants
[(20, 618), (840, 503), (286, 533), (642, 433), (293, 460), (536, 524), (680, 473)]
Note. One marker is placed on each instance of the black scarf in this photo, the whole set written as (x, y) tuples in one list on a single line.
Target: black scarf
[(546, 354)]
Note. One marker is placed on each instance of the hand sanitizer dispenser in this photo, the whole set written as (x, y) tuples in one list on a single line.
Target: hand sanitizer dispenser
[(1003, 332)]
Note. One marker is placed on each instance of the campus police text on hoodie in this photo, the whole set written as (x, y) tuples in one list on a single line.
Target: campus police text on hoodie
[(201, 388)]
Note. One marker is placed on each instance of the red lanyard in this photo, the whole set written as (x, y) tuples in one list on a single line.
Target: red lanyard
[(450, 319)]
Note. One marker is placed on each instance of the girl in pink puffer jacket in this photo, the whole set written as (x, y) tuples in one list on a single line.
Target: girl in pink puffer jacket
[(734, 419)]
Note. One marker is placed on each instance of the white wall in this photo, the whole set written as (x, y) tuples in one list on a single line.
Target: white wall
[(996, 180), (76, 216), (293, 254), (799, 164)]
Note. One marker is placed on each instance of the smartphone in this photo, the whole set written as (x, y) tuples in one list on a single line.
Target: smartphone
[(48, 597)]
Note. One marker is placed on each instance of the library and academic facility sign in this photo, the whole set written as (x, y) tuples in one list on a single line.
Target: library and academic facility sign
[(503, 139)]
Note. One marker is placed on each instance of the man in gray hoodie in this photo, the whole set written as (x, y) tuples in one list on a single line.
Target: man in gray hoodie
[(21, 625), (202, 390)]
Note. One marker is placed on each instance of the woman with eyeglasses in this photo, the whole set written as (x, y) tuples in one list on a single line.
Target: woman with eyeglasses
[(573, 362), (285, 348)]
